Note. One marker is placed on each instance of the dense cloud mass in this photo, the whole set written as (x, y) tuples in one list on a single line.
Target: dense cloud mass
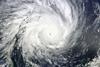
[(49, 33)]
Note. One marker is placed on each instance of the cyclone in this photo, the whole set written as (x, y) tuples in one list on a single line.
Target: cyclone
[(39, 29), (49, 33)]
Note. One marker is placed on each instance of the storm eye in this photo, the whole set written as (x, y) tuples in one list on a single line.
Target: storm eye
[(51, 34)]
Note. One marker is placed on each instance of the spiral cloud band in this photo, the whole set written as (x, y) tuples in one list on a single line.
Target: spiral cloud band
[(41, 28), (46, 29), (41, 33)]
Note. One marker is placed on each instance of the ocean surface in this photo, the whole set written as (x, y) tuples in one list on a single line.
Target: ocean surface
[(49, 33)]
